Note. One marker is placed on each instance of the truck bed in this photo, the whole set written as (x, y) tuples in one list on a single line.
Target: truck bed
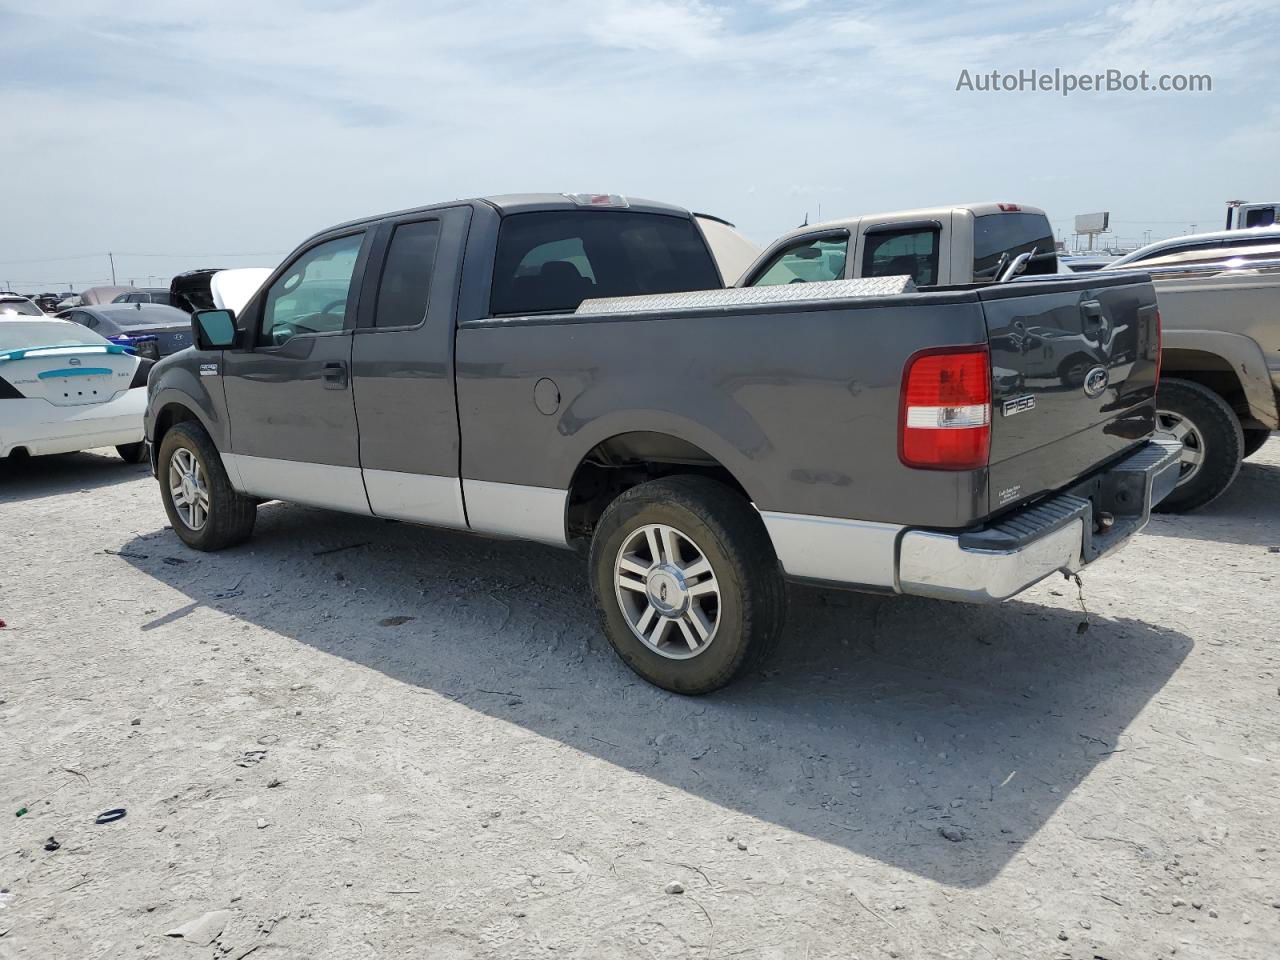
[(798, 396)]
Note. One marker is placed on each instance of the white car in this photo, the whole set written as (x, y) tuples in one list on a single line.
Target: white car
[(64, 388)]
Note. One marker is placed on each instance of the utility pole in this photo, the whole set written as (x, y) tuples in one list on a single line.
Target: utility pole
[(111, 257)]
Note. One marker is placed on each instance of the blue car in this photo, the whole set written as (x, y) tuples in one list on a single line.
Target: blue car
[(152, 330)]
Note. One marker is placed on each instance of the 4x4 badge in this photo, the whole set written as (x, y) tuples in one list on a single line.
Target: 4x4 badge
[(208, 369)]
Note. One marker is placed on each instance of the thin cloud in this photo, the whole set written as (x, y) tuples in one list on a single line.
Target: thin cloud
[(240, 125)]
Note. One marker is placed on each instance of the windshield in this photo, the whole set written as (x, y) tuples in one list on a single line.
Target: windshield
[(24, 334), (20, 308)]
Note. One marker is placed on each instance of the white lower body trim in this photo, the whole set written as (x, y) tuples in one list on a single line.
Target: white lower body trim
[(313, 484), (834, 549), (418, 498), (506, 509), (514, 510)]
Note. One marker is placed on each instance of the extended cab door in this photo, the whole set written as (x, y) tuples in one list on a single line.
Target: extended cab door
[(289, 400), (402, 368)]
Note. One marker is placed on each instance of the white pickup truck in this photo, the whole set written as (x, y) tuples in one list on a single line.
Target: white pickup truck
[(1220, 367)]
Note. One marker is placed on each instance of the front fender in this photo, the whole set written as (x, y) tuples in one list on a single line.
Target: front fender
[(177, 380)]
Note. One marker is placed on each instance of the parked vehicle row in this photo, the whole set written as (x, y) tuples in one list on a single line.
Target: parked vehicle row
[(579, 376), (583, 374)]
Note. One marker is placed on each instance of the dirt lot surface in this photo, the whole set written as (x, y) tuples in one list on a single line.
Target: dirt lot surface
[(364, 739)]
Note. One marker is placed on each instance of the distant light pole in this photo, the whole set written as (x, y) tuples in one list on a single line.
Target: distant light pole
[(111, 257)]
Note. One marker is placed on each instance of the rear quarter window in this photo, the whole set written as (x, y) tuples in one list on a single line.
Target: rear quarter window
[(550, 262), (1012, 233)]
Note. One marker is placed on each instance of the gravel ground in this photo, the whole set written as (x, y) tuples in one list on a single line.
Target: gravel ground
[(364, 739)]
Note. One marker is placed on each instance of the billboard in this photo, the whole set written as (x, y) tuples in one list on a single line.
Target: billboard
[(1092, 222)]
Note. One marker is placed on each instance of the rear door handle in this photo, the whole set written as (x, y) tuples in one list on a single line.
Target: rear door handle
[(335, 375)]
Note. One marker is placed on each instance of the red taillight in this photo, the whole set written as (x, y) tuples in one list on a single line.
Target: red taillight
[(1009, 207), (945, 423), (1159, 345)]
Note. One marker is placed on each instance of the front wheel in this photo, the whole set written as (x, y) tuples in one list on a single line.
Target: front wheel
[(1211, 438), (686, 582), (204, 509)]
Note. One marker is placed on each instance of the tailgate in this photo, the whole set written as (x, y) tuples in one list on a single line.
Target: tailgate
[(1073, 378)]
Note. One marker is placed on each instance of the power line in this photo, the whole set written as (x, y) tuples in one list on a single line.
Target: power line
[(175, 256)]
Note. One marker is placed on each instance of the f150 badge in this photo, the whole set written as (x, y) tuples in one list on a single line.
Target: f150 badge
[(1019, 404), (208, 369), (1096, 381)]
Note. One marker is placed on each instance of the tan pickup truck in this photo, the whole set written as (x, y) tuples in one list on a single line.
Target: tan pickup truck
[(1220, 372), (935, 246)]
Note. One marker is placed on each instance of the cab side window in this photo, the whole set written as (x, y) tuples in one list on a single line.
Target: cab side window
[(807, 261), (896, 253), (405, 287), (311, 296)]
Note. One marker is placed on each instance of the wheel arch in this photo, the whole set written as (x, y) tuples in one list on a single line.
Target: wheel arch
[(171, 413), (626, 459), (1230, 365)]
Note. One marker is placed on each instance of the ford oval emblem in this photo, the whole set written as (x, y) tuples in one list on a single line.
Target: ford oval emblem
[(1096, 381), (74, 361)]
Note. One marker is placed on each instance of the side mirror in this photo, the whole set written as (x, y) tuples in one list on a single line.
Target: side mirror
[(214, 329)]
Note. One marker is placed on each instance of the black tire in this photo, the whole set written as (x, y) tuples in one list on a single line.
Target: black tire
[(132, 452), (1218, 429), (1255, 439), (230, 516), (729, 533)]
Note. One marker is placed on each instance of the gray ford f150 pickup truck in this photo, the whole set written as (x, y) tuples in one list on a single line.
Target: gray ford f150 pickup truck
[(440, 366)]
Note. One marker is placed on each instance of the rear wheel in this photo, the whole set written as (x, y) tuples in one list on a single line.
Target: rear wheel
[(1254, 440), (205, 511), (688, 587), (1211, 438), (132, 452)]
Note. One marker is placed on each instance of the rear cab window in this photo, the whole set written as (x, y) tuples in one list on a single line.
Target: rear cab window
[(549, 262), (996, 234)]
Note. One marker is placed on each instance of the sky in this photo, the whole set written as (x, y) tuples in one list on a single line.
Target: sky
[(182, 134)]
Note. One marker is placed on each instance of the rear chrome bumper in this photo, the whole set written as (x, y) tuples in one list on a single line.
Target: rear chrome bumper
[(1064, 533)]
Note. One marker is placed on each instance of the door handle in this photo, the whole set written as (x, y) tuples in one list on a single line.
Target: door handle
[(335, 375)]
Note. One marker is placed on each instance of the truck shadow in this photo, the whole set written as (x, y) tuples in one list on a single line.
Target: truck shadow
[(33, 478), (881, 721)]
